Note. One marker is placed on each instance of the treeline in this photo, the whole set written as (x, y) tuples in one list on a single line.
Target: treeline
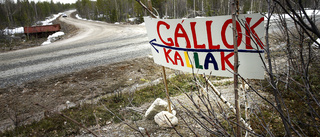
[(109, 10), (25, 13), (123, 10)]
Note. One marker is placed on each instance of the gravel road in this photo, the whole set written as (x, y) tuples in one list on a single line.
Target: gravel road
[(95, 44)]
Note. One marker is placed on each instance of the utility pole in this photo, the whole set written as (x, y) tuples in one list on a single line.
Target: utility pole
[(235, 12)]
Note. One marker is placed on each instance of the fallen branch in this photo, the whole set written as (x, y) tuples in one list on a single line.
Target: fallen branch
[(228, 104)]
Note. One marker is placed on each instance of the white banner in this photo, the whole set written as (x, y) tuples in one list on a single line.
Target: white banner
[(205, 45)]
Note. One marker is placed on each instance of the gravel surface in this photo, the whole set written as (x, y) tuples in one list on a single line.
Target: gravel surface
[(95, 44)]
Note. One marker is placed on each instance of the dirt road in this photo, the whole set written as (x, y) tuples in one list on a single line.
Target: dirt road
[(100, 59), (95, 44)]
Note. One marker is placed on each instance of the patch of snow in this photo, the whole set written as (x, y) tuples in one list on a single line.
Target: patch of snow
[(78, 17), (150, 56), (101, 16), (199, 17), (18, 30), (250, 12), (99, 21), (53, 37), (117, 23), (141, 129), (275, 17), (132, 19), (165, 17), (142, 24), (72, 10), (312, 12), (46, 42), (315, 45), (13, 31), (50, 19)]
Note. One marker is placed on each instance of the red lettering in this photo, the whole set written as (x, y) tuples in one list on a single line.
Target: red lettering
[(250, 31), (178, 57), (209, 34), (194, 35), (248, 39), (223, 34), (170, 43), (182, 35), (166, 54), (225, 59)]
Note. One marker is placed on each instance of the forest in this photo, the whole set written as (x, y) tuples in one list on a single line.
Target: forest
[(123, 10), (27, 13)]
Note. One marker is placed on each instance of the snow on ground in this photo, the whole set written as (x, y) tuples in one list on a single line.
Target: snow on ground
[(13, 31), (199, 17), (48, 21), (275, 17), (53, 37), (132, 19), (52, 18), (18, 30), (315, 45), (80, 18), (142, 24)]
